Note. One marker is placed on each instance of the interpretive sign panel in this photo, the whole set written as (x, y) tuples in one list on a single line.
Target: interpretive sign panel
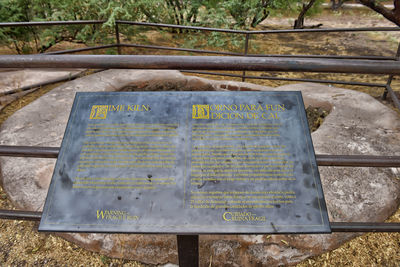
[(186, 162)]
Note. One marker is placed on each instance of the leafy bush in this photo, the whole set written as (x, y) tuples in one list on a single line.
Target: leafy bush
[(236, 14)]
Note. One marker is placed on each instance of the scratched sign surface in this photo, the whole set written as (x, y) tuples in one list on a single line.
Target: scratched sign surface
[(186, 162)]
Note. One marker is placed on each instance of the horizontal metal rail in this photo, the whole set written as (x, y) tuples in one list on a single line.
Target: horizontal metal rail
[(163, 25), (335, 226), (56, 80), (181, 49), (358, 160), (364, 227), (325, 56), (173, 26), (158, 47), (81, 49), (263, 77), (201, 63), (37, 85), (361, 29), (29, 151), (80, 22), (50, 23), (20, 215), (322, 160)]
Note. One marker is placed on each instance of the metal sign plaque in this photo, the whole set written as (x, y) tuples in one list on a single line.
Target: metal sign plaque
[(186, 163)]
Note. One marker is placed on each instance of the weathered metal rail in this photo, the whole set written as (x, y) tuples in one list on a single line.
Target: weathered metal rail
[(322, 160), (197, 28), (50, 23), (52, 81), (76, 50), (285, 79), (163, 25), (202, 51), (246, 33), (201, 63), (335, 226)]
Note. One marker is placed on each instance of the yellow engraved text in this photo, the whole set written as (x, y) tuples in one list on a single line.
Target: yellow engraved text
[(115, 215), (242, 217)]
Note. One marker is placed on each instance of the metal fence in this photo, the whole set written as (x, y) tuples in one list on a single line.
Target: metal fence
[(239, 62), (247, 38)]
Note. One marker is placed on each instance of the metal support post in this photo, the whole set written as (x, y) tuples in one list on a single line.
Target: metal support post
[(188, 250), (246, 49), (389, 81), (392, 94), (117, 38)]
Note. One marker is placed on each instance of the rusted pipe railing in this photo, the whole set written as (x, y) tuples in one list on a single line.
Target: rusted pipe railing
[(117, 39), (50, 23), (325, 56), (163, 25), (335, 226), (264, 77), (389, 82), (245, 52), (29, 151), (322, 160), (80, 49), (52, 81), (172, 26), (201, 63), (202, 51)]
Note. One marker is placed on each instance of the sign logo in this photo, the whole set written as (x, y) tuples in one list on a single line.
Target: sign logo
[(119, 215), (99, 112), (201, 112), (244, 216)]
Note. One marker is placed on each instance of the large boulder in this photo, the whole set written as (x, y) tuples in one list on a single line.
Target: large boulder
[(356, 124), (12, 79)]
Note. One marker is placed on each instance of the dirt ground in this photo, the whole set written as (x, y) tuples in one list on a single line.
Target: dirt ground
[(22, 245)]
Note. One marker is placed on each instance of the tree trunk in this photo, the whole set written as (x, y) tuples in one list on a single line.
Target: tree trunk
[(299, 22), (335, 5), (17, 47)]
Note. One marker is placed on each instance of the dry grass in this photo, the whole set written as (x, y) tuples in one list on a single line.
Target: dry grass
[(371, 249), (22, 245)]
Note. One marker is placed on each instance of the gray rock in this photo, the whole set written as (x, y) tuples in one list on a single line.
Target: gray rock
[(357, 124), (13, 79)]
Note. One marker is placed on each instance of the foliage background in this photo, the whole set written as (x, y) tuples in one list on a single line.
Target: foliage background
[(235, 14)]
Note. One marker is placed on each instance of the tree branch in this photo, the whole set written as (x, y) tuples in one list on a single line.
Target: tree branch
[(396, 10), (392, 15)]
